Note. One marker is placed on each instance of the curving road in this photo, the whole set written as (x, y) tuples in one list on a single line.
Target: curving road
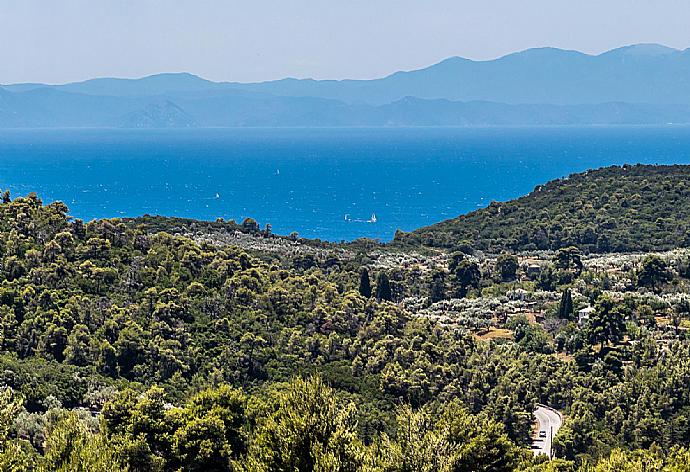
[(549, 421)]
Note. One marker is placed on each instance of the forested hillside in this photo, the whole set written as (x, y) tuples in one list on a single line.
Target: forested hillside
[(613, 209), (123, 348)]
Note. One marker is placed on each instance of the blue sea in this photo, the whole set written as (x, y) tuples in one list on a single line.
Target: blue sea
[(323, 183)]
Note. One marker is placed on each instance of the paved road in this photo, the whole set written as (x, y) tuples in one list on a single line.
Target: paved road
[(548, 421)]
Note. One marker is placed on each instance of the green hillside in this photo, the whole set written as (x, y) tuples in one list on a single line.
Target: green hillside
[(614, 209), (172, 345)]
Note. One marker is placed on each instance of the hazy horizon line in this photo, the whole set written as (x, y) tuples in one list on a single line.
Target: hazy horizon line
[(187, 72)]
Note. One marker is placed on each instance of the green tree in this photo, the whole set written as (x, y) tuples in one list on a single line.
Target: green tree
[(227, 405), (507, 266), (548, 279), (626, 461), (10, 406), (531, 337), (71, 447), (455, 259), (681, 310), (607, 322), (250, 225), (467, 275), (450, 440), (383, 287), (77, 350), (199, 444), (139, 427), (308, 430), (15, 455), (364, 283), (437, 286), (569, 259), (653, 272), (565, 307)]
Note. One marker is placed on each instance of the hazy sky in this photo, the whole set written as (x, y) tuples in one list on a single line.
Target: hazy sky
[(65, 40)]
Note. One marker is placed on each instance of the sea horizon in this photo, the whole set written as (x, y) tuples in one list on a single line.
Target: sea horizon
[(323, 183)]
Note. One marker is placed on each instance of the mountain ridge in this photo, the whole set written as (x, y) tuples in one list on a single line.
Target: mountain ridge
[(650, 81), (646, 47)]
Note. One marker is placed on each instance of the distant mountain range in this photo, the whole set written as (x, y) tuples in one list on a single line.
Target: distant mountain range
[(640, 84)]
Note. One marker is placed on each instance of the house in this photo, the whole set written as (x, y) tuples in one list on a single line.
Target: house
[(584, 314), (533, 270)]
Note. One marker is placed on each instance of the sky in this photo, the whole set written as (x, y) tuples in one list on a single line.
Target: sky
[(58, 41)]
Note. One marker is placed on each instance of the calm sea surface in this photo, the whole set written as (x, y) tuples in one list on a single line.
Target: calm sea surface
[(308, 180)]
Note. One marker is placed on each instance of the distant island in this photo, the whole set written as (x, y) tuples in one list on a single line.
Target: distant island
[(639, 84)]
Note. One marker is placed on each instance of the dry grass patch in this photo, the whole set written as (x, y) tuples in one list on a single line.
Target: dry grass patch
[(494, 333)]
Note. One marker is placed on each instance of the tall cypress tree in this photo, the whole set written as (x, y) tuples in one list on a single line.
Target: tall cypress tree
[(383, 287), (437, 287), (565, 308), (364, 284)]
